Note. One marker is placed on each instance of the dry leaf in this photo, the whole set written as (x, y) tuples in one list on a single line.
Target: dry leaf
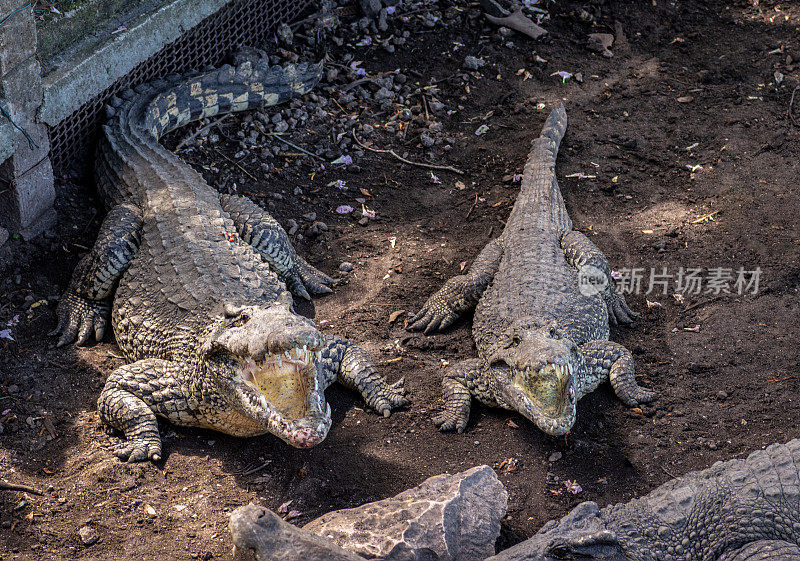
[(394, 315)]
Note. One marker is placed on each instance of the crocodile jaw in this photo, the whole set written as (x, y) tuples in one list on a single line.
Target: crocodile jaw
[(545, 396), (282, 391)]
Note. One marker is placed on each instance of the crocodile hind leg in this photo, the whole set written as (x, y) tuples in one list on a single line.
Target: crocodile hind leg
[(764, 550), (269, 239), (582, 254), (85, 306), (132, 396), (350, 365), (606, 359), (461, 293)]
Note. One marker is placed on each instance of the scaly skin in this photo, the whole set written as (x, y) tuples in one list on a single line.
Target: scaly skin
[(542, 340), (739, 510), (198, 283)]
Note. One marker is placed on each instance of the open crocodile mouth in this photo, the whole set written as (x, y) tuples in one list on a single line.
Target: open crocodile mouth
[(546, 396), (284, 388), (285, 381)]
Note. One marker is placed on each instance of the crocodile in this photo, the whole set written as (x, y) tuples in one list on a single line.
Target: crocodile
[(737, 510), (543, 296), (198, 285)]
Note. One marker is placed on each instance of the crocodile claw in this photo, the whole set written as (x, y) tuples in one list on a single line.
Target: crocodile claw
[(390, 397), (139, 449), (618, 310), (435, 315), (448, 421), (79, 317)]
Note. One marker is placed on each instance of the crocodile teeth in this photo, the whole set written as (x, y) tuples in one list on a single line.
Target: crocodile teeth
[(318, 354)]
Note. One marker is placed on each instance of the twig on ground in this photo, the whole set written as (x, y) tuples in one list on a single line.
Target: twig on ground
[(295, 146), (201, 130), (402, 159), (474, 204), (791, 103), (18, 487), (425, 105), (255, 469), (234, 162), (705, 218)]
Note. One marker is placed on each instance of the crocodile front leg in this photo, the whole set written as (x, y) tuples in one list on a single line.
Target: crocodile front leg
[(132, 396), (85, 306), (350, 365), (463, 381), (461, 293), (262, 231), (606, 359), (581, 252)]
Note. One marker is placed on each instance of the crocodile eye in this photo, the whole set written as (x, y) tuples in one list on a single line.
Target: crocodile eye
[(560, 552), (241, 320)]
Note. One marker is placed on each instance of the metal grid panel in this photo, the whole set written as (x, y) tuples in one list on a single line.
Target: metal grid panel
[(240, 23)]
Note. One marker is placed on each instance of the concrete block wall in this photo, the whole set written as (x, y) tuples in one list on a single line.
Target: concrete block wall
[(26, 176)]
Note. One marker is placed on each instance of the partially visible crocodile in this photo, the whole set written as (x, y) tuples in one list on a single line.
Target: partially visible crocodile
[(739, 510), (544, 297), (199, 283)]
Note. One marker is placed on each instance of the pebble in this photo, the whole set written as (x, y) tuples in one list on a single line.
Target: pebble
[(292, 224), (346, 267), (283, 126), (426, 139), (554, 457), (722, 395), (310, 216), (88, 535), (473, 63)]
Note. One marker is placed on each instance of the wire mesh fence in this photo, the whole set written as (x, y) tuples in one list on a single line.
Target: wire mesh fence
[(240, 23)]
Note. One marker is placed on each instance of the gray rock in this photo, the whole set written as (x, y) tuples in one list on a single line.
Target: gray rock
[(426, 139), (260, 532), (283, 126), (383, 93), (371, 8), (3, 236), (446, 518), (285, 33), (472, 63), (88, 535), (346, 267), (292, 224)]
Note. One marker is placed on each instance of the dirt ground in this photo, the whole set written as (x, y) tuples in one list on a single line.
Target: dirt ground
[(687, 119)]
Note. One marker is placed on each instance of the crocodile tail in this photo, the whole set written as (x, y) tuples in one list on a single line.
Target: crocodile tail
[(184, 99), (555, 127)]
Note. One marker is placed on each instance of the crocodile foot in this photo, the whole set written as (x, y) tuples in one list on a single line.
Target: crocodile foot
[(387, 397), (449, 420), (79, 317), (139, 449)]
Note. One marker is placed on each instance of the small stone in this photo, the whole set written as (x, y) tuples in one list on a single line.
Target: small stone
[(310, 216), (88, 535), (426, 139), (364, 221), (722, 395), (383, 93), (346, 267), (554, 457), (283, 126), (3, 236), (284, 33), (712, 445), (473, 63)]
